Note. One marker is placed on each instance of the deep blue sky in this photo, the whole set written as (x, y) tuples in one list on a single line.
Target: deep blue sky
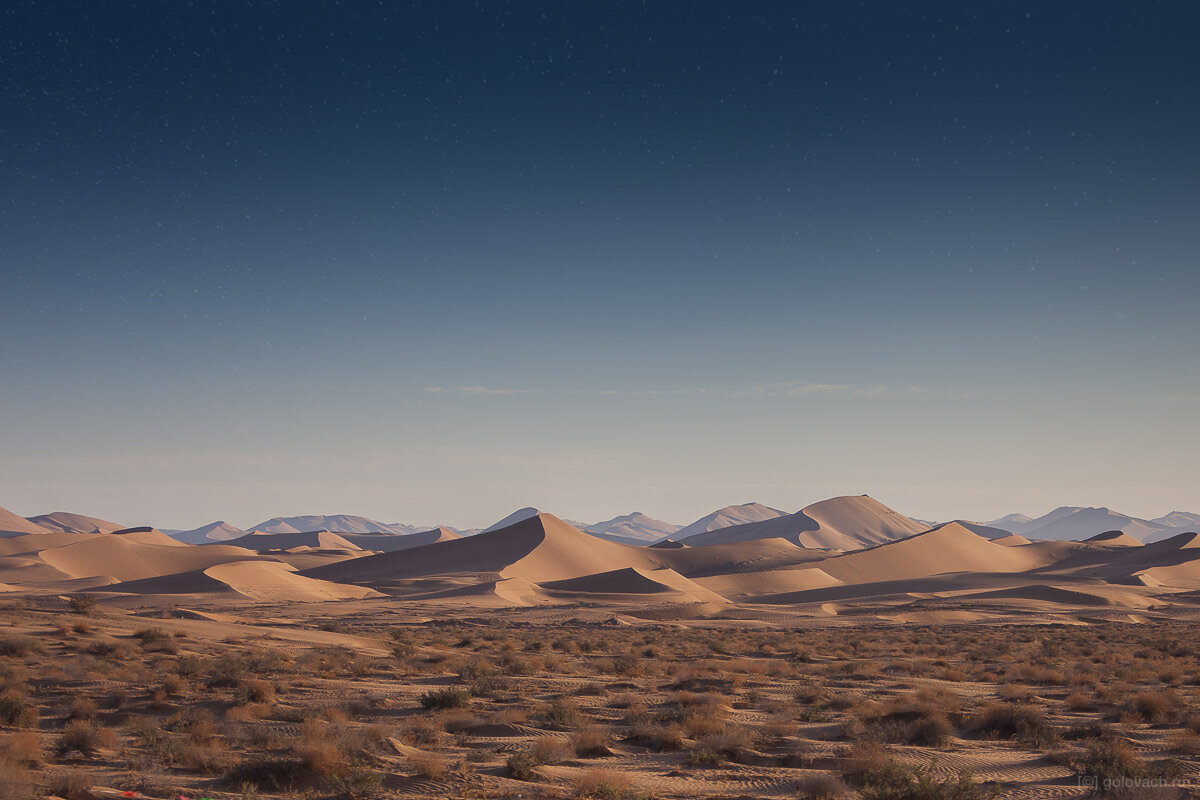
[(430, 262)]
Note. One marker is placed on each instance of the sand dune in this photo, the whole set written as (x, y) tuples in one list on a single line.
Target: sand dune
[(840, 523), (1073, 596), (498, 592), (66, 522), (541, 548), (520, 515), (736, 557), (775, 581), (979, 529), (1113, 539), (1012, 540), (387, 543), (268, 581), (1180, 541), (13, 525), (632, 580), (135, 556), (321, 540), (951, 548), (727, 517)]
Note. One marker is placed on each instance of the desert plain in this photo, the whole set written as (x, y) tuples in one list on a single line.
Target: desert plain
[(844, 651)]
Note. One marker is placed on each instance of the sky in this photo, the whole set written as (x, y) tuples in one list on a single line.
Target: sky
[(432, 262)]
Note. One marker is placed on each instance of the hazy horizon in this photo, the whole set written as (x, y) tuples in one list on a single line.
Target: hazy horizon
[(430, 264)]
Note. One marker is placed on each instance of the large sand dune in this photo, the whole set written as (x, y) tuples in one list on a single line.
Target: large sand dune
[(727, 517), (269, 581), (320, 540), (13, 525), (387, 543), (540, 548), (66, 522), (840, 523), (951, 548)]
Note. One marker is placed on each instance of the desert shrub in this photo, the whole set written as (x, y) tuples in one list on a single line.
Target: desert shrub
[(561, 712), (591, 741), (522, 765), (255, 690), (14, 710), (428, 765), (550, 749), (1154, 707), (1078, 701), (1005, 721), (1110, 759), (603, 784), (894, 781), (446, 698), (822, 787), (83, 604), (265, 773), (657, 736), (83, 707), (730, 743), (18, 646), (83, 737), (208, 756)]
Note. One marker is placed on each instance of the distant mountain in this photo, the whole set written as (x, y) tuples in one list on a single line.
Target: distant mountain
[(727, 517), (1074, 523), (1179, 520), (66, 522), (1009, 522), (219, 531), (840, 523), (13, 525), (335, 523), (635, 528)]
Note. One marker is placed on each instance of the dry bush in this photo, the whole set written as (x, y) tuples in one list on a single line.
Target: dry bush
[(15, 710), (446, 698), (1078, 701), (550, 749), (432, 766), (591, 741), (509, 716), (459, 720), (603, 784), (561, 713), (822, 787), (255, 690), (1005, 721), (209, 756), (1154, 707), (84, 737)]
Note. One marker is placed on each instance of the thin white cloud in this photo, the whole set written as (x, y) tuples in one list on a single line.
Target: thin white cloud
[(476, 390), (794, 389), (798, 389)]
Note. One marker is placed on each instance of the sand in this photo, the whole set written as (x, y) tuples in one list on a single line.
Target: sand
[(13, 525), (66, 522)]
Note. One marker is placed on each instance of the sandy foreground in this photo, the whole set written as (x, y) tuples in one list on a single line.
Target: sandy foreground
[(539, 661)]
